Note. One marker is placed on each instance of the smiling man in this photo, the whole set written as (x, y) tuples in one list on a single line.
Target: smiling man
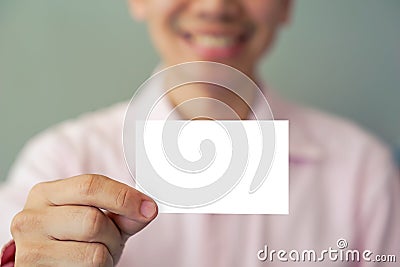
[(343, 183)]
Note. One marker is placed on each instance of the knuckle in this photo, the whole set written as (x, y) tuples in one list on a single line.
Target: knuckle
[(21, 221), (89, 184), (92, 223), (97, 254), (17, 223), (36, 190)]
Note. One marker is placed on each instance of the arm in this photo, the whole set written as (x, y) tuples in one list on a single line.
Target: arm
[(379, 215)]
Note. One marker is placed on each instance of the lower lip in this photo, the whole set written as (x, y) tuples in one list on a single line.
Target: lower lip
[(214, 53)]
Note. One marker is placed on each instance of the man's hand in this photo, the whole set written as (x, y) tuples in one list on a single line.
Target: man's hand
[(79, 221)]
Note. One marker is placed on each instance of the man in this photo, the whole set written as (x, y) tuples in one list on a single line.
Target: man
[(343, 183)]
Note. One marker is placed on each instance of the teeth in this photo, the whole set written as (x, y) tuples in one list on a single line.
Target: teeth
[(214, 41)]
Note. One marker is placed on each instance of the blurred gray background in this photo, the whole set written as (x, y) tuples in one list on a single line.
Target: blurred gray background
[(61, 58)]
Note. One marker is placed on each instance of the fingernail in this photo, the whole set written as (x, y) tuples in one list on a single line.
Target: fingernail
[(148, 208)]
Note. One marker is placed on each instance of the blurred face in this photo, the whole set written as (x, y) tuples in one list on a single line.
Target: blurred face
[(234, 32)]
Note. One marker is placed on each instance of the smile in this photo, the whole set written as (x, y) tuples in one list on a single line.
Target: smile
[(213, 43)]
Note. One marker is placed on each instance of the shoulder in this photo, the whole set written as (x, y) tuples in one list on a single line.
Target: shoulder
[(330, 137), (102, 124), (73, 146), (332, 131)]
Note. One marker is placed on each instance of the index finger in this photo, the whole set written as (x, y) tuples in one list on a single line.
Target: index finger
[(101, 192)]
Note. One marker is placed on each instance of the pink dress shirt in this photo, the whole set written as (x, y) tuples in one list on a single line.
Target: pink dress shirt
[(343, 184)]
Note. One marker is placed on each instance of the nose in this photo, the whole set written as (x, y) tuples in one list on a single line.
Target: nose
[(220, 10)]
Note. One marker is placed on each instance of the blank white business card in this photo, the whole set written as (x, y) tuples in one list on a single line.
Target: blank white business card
[(219, 167)]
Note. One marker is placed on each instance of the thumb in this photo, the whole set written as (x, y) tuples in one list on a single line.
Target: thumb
[(129, 227)]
